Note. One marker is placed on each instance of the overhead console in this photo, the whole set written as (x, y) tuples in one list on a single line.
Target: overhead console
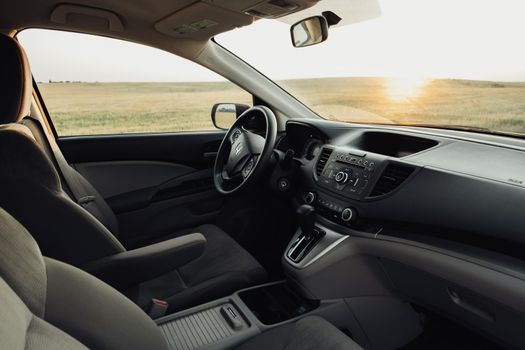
[(201, 20)]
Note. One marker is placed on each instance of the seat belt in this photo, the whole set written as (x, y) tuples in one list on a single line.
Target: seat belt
[(76, 189)]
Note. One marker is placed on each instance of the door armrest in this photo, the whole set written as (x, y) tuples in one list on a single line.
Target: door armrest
[(132, 267)]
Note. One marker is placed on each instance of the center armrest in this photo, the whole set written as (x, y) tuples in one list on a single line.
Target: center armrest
[(129, 268)]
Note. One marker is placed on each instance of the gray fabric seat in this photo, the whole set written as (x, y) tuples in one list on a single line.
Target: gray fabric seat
[(224, 268), (47, 304), (78, 234)]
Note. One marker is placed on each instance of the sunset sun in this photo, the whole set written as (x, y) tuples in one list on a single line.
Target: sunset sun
[(403, 89)]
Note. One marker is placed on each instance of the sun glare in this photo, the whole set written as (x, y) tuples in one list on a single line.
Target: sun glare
[(404, 89)]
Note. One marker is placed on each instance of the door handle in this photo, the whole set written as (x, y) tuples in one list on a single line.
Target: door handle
[(470, 305), (209, 154)]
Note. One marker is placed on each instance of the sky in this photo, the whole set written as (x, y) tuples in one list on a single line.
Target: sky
[(467, 39)]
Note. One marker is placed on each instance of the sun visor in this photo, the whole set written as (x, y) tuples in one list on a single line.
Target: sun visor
[(350, 11), (79, 16), (201, 21)]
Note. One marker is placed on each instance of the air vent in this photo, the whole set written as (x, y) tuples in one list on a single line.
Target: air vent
[(323, 158), (392, 177)]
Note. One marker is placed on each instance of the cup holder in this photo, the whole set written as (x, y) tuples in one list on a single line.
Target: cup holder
[(276, 303)]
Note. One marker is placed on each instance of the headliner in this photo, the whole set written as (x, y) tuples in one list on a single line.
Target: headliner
[(155, 23)]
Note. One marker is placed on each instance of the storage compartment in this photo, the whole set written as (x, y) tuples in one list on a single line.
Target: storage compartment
[(471, 308), (390, 144), (276, 303), (219, 326)]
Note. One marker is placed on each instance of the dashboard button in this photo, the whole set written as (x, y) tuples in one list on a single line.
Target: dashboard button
[(341, 177), (347, 214), (284, 184), (310, 197)]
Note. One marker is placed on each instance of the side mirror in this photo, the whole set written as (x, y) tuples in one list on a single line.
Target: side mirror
[(309, 31), (223, 115)]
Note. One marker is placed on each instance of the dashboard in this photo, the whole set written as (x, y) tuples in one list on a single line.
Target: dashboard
[(386, 176), (440, 211)]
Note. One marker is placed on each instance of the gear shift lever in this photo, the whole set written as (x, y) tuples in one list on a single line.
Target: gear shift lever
[(306, 214), (308, 236)]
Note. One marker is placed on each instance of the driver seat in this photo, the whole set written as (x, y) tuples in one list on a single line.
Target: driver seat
[(85, 234)]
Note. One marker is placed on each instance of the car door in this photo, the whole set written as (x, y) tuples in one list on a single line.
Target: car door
[(156, 184), (147, 146)]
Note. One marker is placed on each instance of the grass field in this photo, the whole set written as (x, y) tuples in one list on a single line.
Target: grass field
[(102, 108)]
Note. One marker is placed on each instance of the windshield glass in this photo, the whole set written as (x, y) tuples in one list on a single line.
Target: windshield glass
[(446, 63)]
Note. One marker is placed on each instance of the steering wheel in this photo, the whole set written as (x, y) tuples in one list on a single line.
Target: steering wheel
[(243, 155)]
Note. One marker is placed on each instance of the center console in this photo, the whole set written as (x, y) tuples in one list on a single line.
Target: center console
[(228, 322), (211, 326), (347, 171), (328, 257)]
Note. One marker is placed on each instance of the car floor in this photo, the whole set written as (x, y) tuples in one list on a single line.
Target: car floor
[(440, 333)]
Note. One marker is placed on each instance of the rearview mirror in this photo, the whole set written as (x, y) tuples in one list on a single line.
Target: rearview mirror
[(223, 115), (309, 31)]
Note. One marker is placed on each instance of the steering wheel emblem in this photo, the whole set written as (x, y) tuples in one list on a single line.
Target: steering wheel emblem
[(238, 149)]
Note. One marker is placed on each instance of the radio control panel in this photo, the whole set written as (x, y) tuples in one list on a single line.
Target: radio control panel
[(349, 172)]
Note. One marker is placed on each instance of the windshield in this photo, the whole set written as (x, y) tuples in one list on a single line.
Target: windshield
[(446, 63)]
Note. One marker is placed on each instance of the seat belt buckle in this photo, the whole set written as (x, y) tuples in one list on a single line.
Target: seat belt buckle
[(85, 200), (158, 308)]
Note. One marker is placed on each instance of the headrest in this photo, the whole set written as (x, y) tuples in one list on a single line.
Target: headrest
[(16, 84)]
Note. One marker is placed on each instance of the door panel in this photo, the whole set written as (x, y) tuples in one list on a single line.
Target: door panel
[(114, 178), (155, 183), (164, 217), (194, 149)]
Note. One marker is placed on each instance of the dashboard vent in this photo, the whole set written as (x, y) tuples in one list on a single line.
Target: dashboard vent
[(323, 158), (393, 176)]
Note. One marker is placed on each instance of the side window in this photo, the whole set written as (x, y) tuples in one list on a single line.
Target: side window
[(95, 85)]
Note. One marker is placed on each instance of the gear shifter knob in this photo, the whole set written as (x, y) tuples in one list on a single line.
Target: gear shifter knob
[(306, 217)]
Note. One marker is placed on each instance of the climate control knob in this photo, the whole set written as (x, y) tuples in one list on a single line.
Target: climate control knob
[(347, 214), (341, 177), (310, 197)]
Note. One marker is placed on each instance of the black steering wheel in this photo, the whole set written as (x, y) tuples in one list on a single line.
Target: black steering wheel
[(243, 155)]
